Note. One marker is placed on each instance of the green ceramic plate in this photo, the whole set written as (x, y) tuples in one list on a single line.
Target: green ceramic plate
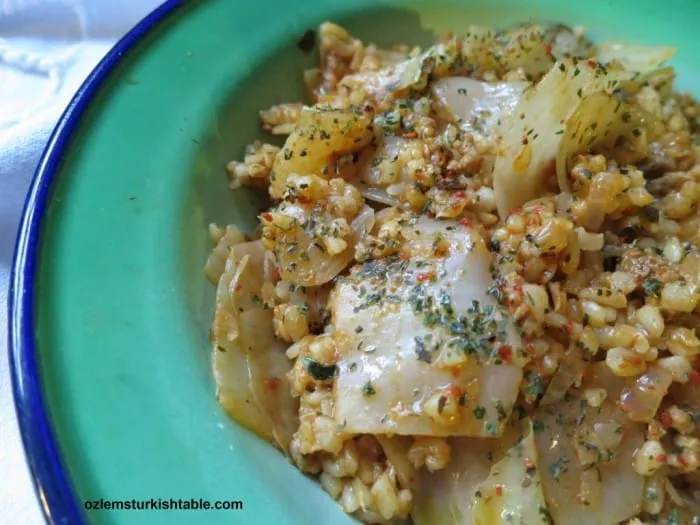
[(110, 308)]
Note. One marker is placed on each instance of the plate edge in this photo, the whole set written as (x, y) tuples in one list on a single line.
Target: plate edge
[(52, 483)]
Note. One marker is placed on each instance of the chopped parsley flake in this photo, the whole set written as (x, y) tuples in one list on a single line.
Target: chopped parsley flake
[(651, 286), (534, 387), (317, 370), (422, 353), (651, 494), (545, 515), (559, 467), (650, 213), (496, 292), (478, 332), (442, 401), (500, 409), (673, 517), (537, 426), (491, 427), (370, 300)]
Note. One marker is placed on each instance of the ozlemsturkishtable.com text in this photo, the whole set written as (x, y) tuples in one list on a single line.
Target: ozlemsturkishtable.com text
[(162, 504)]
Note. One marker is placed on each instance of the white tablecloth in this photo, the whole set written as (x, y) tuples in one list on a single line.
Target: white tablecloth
[(47, 48)]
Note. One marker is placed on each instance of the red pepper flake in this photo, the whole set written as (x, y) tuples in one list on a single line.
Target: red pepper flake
[(272, 383), (459, 194), (425, 276), (455, 371), (683, 461), (368, 108), (505, 353), (467, 223), (267, 216), (694, 378), (276, 274), (635, 360), (665, 419), (302, 200), (662, 458), (529, 464), (454, 392), (499, 490), (238, 287), (410, 135), (591, 63)]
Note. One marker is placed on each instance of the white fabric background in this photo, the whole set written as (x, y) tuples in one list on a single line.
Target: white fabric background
[(47, 48)]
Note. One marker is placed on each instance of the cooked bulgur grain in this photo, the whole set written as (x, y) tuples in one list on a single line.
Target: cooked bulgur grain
[(484, 256)]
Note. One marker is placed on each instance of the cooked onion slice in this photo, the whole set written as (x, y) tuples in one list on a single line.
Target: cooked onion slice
[(568, 373), (403, 78), (605, 124), (396, 452), (476, 106), (531, 137), (447, 496), (216, 262), (641, 398), (632, 57), (406, 347), (304, 262), (249, 363), (444, 496), (321, 135), (572, 439), (513, 491), (532, 48)]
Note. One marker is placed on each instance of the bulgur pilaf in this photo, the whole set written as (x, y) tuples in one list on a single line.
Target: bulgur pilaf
[(474, 298)]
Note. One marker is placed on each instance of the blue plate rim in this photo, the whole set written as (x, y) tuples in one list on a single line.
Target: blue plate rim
[(52, 482)]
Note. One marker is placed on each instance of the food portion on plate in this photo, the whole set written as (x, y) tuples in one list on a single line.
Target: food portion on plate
[(475, 294)]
